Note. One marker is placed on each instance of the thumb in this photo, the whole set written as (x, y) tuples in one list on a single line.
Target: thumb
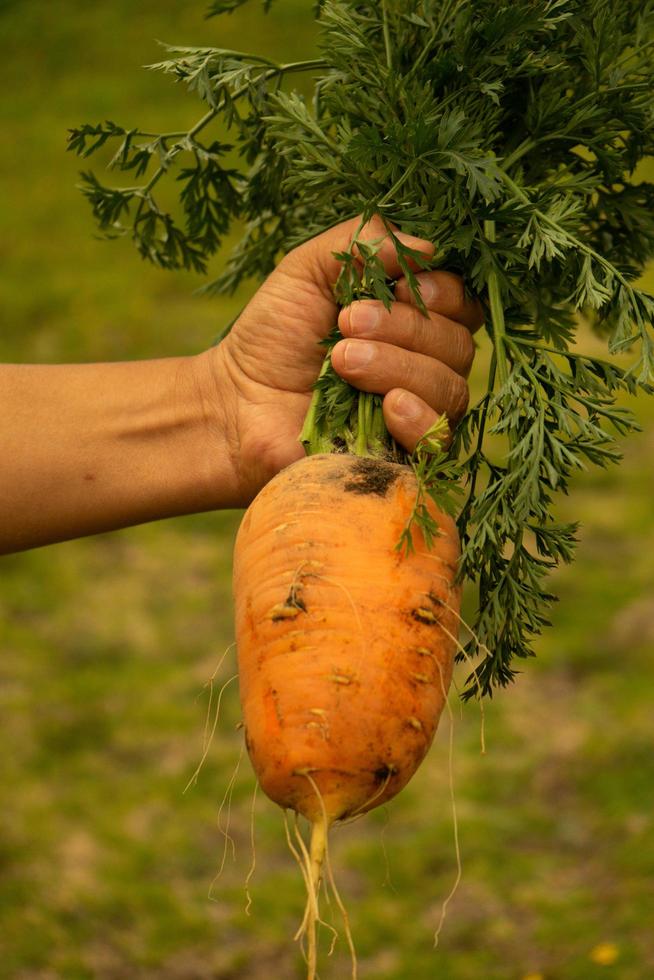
[(316, 260)]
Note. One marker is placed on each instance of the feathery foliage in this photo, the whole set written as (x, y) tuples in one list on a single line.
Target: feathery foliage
[(508, 135)]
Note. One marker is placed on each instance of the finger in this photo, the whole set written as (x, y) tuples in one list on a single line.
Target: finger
[(405, 326), (316, 260), (375, 230), (377, 367), (444, 293), (408, 418)]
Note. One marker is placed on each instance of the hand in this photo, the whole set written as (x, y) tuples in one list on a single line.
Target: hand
[(265, 368), (94, 447)]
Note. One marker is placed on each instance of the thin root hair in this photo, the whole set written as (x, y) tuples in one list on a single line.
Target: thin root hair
[(455, 821), (208, 740), (387, 864), (227, 799), (253, 863), (367, 804), (482, 710), (209, 684), (299, 935), (464, 653), (481, 647)]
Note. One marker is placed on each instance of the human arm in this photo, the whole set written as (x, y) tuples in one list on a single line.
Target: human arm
[(93, 447)]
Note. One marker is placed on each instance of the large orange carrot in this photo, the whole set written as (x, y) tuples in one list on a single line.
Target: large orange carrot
[(345, 643)]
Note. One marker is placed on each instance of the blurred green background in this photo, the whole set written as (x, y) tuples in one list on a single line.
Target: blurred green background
[(107, 644)]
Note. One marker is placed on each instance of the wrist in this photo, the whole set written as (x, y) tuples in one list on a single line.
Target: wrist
[(210, 399)]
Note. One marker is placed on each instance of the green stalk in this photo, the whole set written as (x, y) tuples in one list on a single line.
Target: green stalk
[(497, 312), (519, 152), (390, 195), (372, 438), (387, 38), (363, 415), (299, 66), (310, 436), (364, 433), (477, 455)]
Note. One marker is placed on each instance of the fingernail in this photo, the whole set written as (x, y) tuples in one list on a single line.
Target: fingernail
[(427, 287), (357, 354), (364, 316), (407, 406)]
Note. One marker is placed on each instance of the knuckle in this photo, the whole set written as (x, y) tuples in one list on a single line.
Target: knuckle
[(405, 368), (401, 290), (457, 293), (466, 350), (416, 328), (459, 397)]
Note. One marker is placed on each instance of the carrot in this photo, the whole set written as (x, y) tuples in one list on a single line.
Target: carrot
[(345, 643)]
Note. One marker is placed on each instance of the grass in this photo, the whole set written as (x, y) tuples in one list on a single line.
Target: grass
[(107, 645)]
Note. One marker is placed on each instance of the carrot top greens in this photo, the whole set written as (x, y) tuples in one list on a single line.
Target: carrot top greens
[(508, 135)]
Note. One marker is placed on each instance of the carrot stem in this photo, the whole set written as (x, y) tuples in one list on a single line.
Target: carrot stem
[(497, 312), (310, 436), (365, 433), (361, 446)]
